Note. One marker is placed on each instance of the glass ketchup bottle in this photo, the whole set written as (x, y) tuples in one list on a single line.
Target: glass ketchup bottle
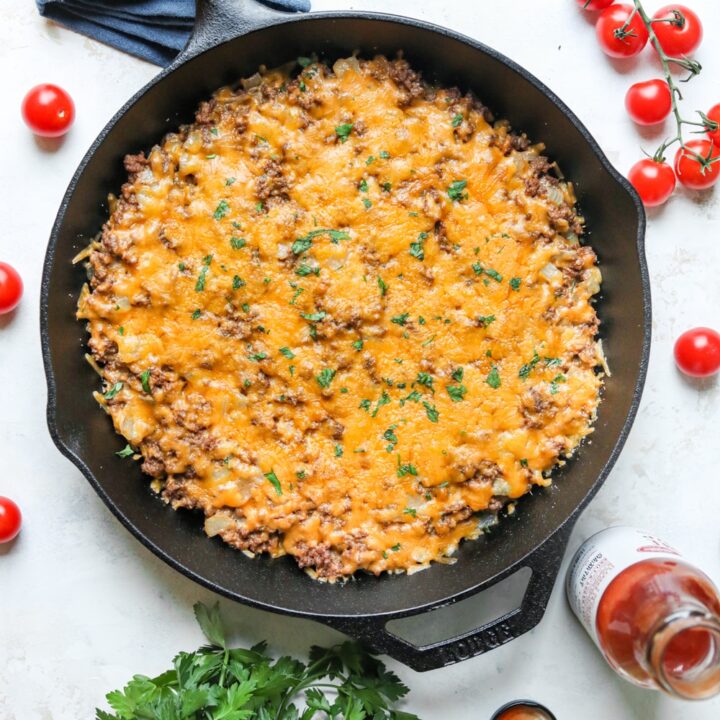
[(655, 617)]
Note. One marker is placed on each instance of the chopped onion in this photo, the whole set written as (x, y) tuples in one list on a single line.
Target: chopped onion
[(501, 487), (554, 194), (216, 523), (341, 66), (283, 251), (549, 272), (251, 82)]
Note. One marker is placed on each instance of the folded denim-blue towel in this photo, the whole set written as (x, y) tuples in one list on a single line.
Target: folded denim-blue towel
[(154, 30)]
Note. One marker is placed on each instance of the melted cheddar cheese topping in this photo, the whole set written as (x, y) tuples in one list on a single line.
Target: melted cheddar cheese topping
[(347, 316)]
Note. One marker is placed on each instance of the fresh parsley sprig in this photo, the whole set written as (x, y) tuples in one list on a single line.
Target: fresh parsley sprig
[(217, 682)]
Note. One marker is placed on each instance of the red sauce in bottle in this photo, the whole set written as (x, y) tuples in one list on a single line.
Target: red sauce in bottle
[(655, 617)]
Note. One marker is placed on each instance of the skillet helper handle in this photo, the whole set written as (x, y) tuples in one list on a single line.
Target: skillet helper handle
[(220, 20), (544, 563)]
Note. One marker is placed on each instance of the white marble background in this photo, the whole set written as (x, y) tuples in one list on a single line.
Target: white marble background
[(83, 606)]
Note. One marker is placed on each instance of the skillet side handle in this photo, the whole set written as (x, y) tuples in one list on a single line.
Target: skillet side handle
[(220, 20), (544, 563)]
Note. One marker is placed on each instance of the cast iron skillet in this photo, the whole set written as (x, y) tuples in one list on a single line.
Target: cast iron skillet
[(231, 40)]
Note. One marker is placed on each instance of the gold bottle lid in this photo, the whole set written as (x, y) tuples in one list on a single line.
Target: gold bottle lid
[(523, 710)]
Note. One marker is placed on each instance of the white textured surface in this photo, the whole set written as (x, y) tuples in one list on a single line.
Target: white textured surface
[(83, 606)]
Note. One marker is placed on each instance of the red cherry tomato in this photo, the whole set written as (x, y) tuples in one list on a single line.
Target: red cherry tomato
[(648, 102), (616, 42), (48, 110), (10, 519), (697, 352), (654, 181), (11, 288), (680, 32), (691, 172), (594, 4), (714, 114)]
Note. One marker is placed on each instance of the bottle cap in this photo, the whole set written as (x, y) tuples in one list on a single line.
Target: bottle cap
[(523, 710)]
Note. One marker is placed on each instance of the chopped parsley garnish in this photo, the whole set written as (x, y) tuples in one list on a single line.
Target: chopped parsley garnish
[(202, 277), (457, 374), (127, 451), (391, 437), (400, 319), (528, 367), (325, 377), (221, 210), (552, 362), (237, 243), (211, 156), (554, 384), (493, 378), (300, 475), (370, 160), (343, 131), (457, 120), (417, 248), (456, 190), (363, 185), (303, 61), (303, 244), (181, 267), (384, 400), (121, 330), (395, 547), (358, 344), (287, 352), (383, 286), (304, 270), (196, 314), (515, 283), (314, 317), (404, 469), (456, 392), (364, 405), (384, 154), (257, 357), (426, 380), (494, 274), (428, 341), (273, 478), (414, 396), (431, 411), (367, 203), (485, 320), (238, 282), (230, 181), (523, 462), (387, 186), (410, 511), (113, 391), (245, 307), (338, 451), (145, 380)]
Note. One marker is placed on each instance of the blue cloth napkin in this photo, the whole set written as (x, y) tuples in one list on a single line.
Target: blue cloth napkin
[(154, 30)]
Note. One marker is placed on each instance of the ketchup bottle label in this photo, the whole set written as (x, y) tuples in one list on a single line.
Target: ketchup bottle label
[(600, 559)]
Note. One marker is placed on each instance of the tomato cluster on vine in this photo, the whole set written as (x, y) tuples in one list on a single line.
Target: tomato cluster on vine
[(674, 32)]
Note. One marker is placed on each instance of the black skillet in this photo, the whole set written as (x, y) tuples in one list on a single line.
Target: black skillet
[(231, 40)]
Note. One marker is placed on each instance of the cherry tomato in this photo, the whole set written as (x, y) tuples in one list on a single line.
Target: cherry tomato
[(697, 352), (594, 4), (654, 181), (10, 519), (648, 102), (680, 32), (691, 172), (48, 110), (714, 114), (617, 43), (11, 288)]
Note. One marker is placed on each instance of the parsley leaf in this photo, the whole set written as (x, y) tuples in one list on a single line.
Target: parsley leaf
[(145, 381), (287, 352), (273, 478), (384, 154), (343, 131), (113, 391), (384, 400), (456, 190), (221, 210), (528, 367), (238, 282), (485, 320), (493, 378), (325, 377), (431, 411), (457, 120), (417, 248), (410, 511), (400, 319), (426, 380), (127, 451), (314, 317), (383, 286), (303, 244), (456, 392), (200, 284), (237, 243), (304, 270), (457, 374), (515, 283), (358, 344)]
